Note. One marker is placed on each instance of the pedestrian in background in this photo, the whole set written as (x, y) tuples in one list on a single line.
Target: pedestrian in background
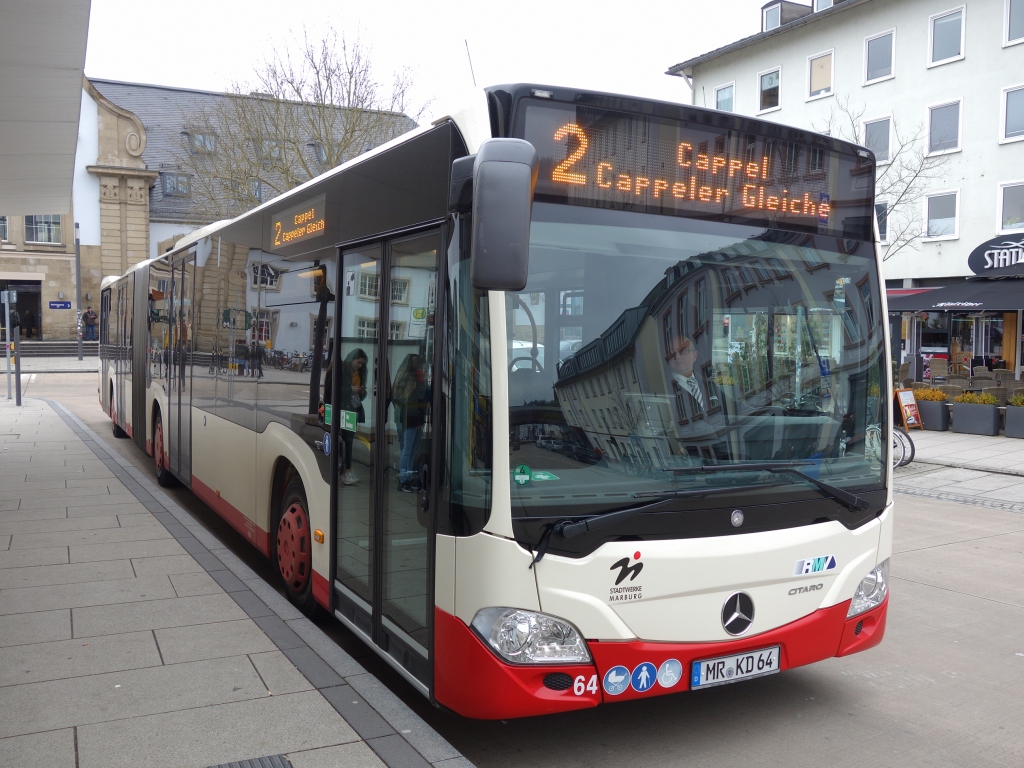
[(89, 318), (28, 322)]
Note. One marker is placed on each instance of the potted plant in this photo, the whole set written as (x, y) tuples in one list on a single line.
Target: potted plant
[(975, 414), (1015, 416), (931, 403)]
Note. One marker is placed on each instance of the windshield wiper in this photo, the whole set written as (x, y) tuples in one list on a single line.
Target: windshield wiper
[(849, 500), (568, 529)]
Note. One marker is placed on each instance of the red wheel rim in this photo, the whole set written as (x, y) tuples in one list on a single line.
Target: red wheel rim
[(294, 556), (158, 445)]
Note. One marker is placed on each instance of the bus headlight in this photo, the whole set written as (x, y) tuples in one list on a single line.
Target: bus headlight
[(871, 591), (526, 637)]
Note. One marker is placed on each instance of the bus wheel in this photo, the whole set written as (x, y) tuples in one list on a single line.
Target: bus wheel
[(292, 540), (116, 430), (163, 472)]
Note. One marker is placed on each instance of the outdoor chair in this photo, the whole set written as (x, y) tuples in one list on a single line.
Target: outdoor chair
[(999, 393), (1004, 376), (938, 369), (950, 390), (904, 373), (958, 381), (962, 364), (919, 385)]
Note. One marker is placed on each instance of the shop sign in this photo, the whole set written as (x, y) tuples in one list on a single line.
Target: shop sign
[(998, 253)]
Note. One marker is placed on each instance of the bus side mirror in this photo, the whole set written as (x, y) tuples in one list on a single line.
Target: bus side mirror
[(504, 177)]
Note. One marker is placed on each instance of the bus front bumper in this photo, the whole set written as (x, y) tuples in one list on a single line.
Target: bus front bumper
[(474, 682)]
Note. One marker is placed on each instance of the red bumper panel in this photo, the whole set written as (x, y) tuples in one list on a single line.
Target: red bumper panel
[(471, 680), (871, 630)]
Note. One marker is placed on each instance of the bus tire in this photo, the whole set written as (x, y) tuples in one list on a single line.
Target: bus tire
[(163, 471), (116, 430), (291, 546)]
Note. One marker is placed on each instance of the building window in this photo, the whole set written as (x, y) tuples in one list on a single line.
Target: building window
[(762, 273), (702, 304), (876, 138), (369, 285), (941, 215), (946, 37), (264, 276), (882, 217), (319, 152), (684, 314), (944, 128), (731, 285), (819, 75), (176, 185), (771, 18), (778, 267), (878, 56), (1011, 207), (1014, 22), (822, 5), (816, 160), (399, 291), (202, 143), (397, 332), (3, 229), (768, 87), (723, 97), (270, 150), (43, 229), (366, 328), (666, 327), (1012, 123), (256, 190)]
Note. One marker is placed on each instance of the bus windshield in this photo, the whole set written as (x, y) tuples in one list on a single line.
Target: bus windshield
[(645, 346)]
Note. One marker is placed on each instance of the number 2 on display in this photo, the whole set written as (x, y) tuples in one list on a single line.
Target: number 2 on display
[(581, 686)]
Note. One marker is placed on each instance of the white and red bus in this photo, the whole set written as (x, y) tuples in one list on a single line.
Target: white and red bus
[(568, 399)]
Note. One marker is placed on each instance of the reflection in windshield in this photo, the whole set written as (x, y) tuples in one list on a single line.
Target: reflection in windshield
[(642, 344)]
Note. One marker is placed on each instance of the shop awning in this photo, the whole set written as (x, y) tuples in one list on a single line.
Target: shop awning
[(985, 295)]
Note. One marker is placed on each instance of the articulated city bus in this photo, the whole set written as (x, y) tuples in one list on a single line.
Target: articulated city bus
[(568, 399)]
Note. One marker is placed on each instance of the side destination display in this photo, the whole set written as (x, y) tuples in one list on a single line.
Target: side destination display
[(300, 222)]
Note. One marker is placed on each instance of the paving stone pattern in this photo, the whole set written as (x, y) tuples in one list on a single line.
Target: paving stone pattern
[(130, 637)]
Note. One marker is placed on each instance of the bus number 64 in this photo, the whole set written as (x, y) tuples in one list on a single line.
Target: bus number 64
[(581, 686)]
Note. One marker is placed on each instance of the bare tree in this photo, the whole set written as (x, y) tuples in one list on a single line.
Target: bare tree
[(902, 181), (300, 117)]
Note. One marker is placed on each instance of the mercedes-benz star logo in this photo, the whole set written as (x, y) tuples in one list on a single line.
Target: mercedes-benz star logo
[(738, 613)]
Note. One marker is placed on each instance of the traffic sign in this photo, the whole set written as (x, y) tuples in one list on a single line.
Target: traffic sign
[(8, 297)]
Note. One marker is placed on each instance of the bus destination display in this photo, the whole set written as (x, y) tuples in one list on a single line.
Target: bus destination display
[(638, 162), (301, 222)]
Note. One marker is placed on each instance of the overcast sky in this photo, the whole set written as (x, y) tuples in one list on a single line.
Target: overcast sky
[(620, 47)]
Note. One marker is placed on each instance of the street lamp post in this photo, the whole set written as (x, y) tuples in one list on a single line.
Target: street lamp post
[(78, 289)]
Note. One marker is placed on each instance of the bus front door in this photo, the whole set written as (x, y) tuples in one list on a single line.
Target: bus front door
[(384, 534)]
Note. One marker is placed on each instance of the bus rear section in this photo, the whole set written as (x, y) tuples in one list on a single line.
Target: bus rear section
[(692, 429)]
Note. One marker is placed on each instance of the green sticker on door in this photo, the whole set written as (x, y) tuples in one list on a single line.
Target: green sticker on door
[(348, 418), (523, 475)]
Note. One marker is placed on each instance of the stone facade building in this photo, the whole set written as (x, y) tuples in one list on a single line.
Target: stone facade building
[(130, 199)]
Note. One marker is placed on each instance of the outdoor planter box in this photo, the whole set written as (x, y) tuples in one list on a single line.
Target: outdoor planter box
[(934, 414), (973, 419), (1014, 421)]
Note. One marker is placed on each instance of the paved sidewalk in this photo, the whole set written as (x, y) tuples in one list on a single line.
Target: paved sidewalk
[(50, 365), (129, 636), (1004, 455), (969, 469)]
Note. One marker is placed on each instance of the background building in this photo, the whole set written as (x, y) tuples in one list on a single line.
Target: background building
[(935, 88), (132, 196)]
